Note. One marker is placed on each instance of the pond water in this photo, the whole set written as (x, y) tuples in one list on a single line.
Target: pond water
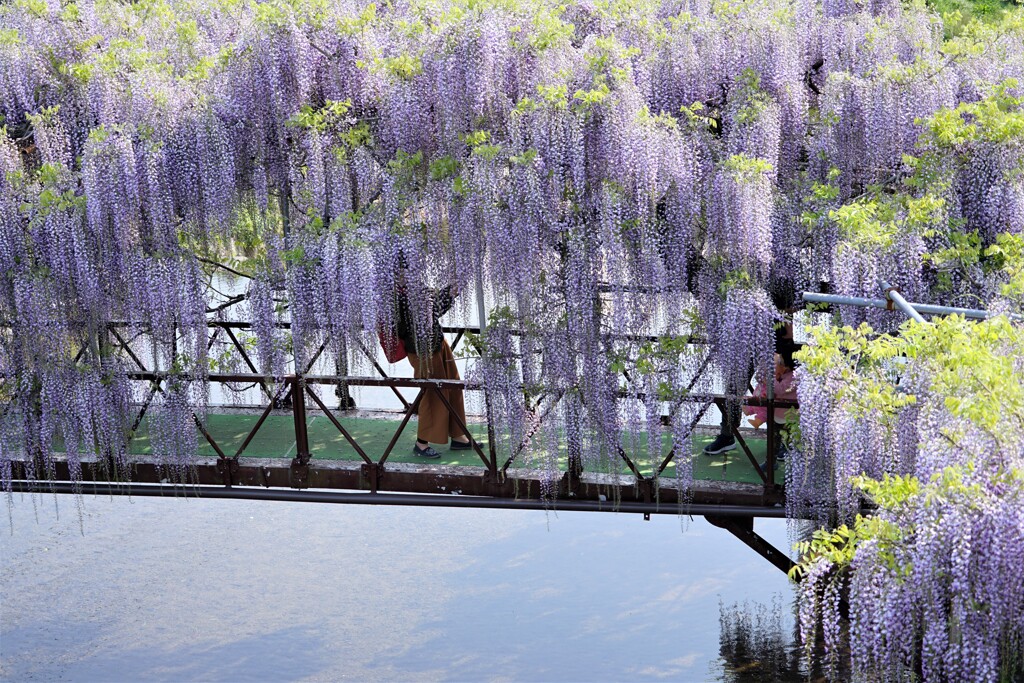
[(191, 589)]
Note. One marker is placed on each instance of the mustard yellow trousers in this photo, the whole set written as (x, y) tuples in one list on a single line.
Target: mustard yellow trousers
[(436, 422)]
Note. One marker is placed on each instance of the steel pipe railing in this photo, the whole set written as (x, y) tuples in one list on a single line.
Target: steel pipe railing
[(926, 309), (893, 295)]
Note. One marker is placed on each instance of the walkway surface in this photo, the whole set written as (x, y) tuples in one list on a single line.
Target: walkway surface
[(276, 439)]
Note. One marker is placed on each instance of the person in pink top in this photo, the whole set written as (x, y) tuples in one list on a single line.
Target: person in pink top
[(785, 389)]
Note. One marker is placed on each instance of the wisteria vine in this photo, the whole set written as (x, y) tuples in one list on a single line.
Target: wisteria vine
[(640, 187)]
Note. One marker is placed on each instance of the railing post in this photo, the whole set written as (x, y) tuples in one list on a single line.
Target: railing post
[(300, 463), (493, 473), (772, 436), (573, 449), (492, 448)]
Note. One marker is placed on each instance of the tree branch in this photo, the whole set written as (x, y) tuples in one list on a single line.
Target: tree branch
[(217, 264)]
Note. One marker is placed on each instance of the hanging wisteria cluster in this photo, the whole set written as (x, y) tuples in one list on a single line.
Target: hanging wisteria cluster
[(622, 178), (936, 575)]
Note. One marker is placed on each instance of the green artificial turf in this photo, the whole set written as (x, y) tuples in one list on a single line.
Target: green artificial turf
[(276, 439)]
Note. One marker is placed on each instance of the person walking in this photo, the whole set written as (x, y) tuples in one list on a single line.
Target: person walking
[(431, 358)]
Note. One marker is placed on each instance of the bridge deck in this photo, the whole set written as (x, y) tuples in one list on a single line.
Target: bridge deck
[(728, 490), (276, 439)]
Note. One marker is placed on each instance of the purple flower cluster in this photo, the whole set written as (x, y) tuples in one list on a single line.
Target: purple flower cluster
[(946, 601), (936, 577)]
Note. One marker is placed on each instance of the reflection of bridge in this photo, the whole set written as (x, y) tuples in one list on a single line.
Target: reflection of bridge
[(300, 449)]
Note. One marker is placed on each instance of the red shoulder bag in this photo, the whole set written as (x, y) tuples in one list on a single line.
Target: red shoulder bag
[(394, 347)]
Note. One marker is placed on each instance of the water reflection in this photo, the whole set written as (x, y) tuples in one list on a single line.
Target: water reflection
[(231, 590), (754, 646), (757, 644)]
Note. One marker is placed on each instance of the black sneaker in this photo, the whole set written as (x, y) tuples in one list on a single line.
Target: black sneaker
[(427, 452), (721, 444), (460, 445)]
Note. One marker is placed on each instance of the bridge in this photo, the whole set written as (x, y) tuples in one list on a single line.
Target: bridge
[(293, 446)]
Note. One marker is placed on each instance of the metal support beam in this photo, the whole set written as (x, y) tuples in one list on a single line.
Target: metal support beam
[(423, 500), (743, 529)]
